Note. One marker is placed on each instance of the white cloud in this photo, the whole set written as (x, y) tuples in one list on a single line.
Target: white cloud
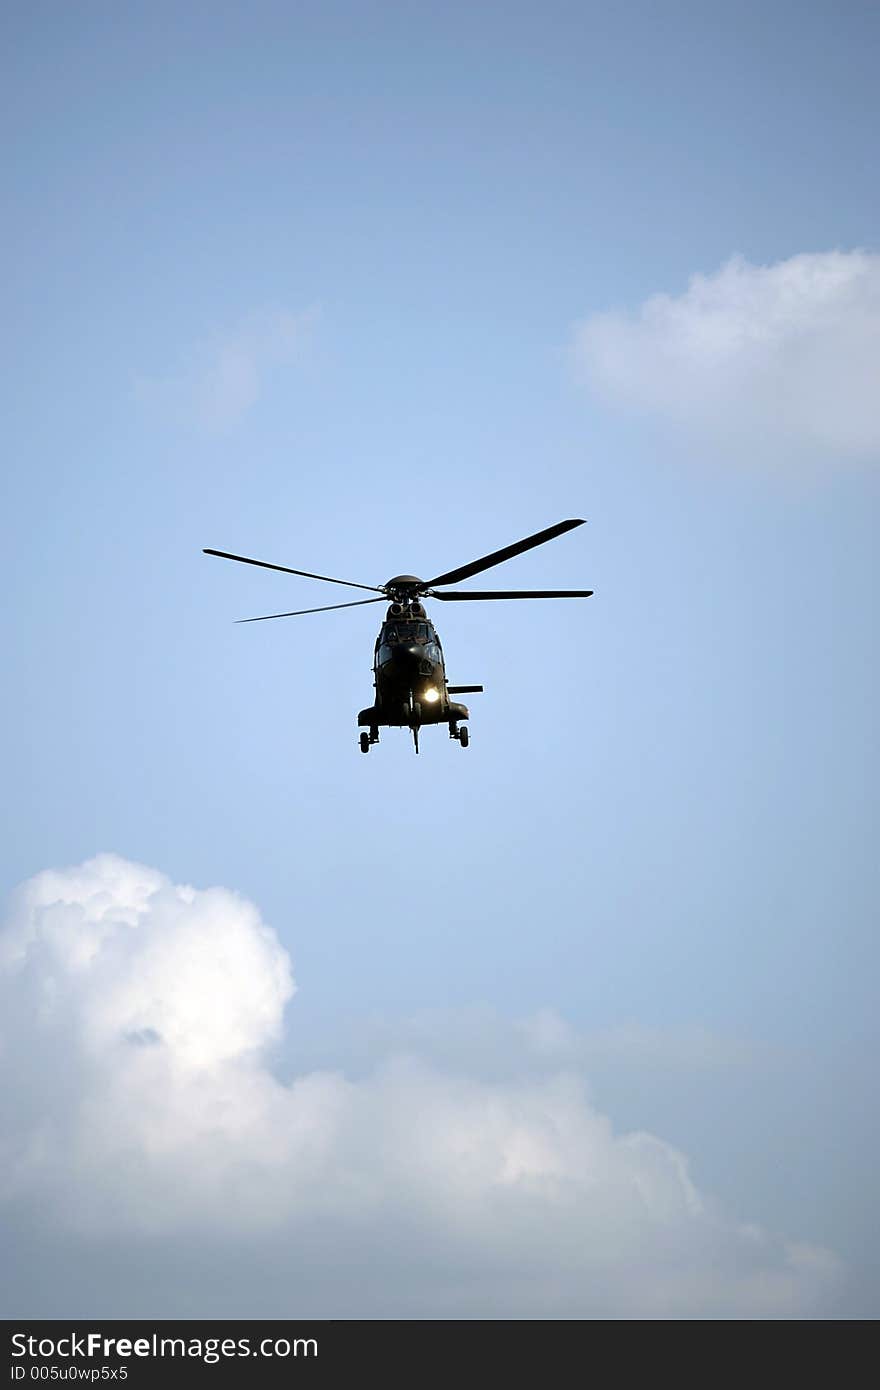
[(780, 360), (221, 378), (136, 1016)]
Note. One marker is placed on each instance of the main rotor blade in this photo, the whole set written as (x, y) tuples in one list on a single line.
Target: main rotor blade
[(264, 564), (460, 595), (498, 556), (358, 602)]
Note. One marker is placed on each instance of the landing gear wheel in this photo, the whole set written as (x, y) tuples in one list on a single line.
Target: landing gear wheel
[(464, 737), (365, 743)]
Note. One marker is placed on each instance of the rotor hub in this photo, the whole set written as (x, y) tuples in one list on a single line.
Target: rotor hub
[(404, 587)]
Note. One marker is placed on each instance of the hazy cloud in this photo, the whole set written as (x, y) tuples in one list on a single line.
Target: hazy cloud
[(782, 360), (143, 1121), (484, 1043), (219, 379)]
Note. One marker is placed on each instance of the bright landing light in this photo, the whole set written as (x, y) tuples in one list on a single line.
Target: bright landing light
[(432, 694)]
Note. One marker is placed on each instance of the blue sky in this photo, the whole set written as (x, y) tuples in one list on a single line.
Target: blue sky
[(345, 287)]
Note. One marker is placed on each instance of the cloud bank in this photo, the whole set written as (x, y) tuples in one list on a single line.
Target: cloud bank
[(781, 360), (220, 379), (144, 1125)]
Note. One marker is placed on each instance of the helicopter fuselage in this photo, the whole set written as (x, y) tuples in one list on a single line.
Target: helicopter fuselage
[(409, 675)]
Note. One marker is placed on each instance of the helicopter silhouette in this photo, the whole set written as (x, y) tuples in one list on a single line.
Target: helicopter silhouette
[(409, 670)]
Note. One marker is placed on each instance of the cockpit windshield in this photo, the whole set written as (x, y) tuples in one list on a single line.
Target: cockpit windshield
[(406, 632)]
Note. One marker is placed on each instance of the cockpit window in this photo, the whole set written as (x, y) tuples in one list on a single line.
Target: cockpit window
[(406, 632)]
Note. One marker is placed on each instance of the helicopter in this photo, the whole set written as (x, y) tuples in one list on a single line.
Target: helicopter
[(409, 670)]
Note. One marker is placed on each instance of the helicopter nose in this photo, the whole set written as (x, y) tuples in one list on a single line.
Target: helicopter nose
[(405, 656)]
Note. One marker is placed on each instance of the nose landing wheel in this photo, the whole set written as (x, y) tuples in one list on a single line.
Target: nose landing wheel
[(463, 735)]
